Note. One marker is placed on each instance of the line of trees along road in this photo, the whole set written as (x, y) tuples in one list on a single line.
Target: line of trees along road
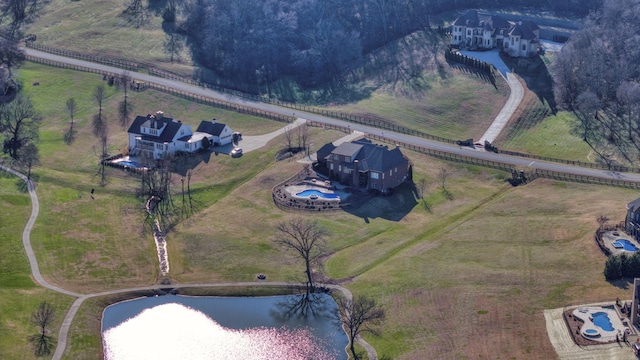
[(312, 42), (597, 75)]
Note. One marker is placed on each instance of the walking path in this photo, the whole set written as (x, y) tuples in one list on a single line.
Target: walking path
[(63, 335)]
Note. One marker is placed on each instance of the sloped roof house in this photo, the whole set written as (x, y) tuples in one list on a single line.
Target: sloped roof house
[(364, 165), (153, 136)]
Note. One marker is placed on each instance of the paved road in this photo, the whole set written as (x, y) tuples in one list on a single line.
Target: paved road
[(514, 161), (521, 163)]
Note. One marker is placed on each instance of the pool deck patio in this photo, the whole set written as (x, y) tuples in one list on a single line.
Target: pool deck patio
[(567, 349), (610, 236)]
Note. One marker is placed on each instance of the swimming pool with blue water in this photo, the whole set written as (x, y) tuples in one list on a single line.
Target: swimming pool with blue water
[(309, 193), (601, 320), (624, 244)]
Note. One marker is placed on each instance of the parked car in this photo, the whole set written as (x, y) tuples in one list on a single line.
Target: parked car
[(236, 152)]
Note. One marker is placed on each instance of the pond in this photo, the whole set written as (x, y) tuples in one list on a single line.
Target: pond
[(183, 327)]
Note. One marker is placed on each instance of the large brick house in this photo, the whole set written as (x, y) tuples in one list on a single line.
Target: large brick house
[(364, 165), (154, 136), (477, 30)]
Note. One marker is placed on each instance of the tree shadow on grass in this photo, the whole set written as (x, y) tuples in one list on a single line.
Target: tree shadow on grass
[(624, 283), (537, 77)]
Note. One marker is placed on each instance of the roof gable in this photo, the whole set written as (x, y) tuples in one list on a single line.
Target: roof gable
[(347, 149), (473, 18), (634, 206), (171, 127), (211, 127)]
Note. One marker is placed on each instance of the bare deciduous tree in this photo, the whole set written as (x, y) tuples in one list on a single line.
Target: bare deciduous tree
[(173, 45), (135, 12), (302, 132), (125, 107), (288, 137), (43, 344), (359, 315), (70, 135), (602, 220), (305, 237), (101, 131), (19, 124), (422, 187)]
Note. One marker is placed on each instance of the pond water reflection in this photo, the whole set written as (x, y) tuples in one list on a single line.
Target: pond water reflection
[(182, 327)]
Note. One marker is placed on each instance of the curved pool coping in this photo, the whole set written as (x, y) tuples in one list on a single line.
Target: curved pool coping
[(293, 191), (585, 313)]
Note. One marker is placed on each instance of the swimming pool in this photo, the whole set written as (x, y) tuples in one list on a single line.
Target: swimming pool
[(601, 320), (592, 333), (317, 193), (624, 244)]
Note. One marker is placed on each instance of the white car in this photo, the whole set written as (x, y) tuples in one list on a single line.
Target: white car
[(236, 152)]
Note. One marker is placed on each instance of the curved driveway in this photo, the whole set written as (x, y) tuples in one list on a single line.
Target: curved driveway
[(516, 162)]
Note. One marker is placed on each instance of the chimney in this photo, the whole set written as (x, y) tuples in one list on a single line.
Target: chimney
[(213, 121), (159, 115)]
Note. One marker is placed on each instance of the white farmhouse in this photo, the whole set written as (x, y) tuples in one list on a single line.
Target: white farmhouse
[(154, 136)]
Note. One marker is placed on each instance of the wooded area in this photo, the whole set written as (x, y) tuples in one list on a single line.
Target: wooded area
[(314, 42), (596, 75)]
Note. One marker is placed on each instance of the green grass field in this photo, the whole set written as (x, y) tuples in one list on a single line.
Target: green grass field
[(475, 270)]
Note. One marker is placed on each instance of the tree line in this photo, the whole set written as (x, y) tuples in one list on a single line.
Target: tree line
[(310, 42), (597, 77)]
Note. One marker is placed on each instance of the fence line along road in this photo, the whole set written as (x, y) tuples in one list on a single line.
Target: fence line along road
[(564, 171)]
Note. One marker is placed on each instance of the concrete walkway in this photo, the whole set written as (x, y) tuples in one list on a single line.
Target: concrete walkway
[(515, 97)]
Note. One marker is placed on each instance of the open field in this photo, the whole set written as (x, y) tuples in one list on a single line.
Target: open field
[(473, 272)]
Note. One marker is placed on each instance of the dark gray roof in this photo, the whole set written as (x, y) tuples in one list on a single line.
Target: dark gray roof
[(167, 135), (524, 29), (327, 148), (347, 149), (473, 18), (210, 128), (634, 205), (379, 158)]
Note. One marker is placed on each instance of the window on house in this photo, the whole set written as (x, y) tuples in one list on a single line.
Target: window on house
[(512, 39), (336, 157), (347, 170), (524, 47), (390, 172), (468, 32), (374, 185), (347, 159), (186, 145), (339, 168), (331, 166), (374, 175)]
